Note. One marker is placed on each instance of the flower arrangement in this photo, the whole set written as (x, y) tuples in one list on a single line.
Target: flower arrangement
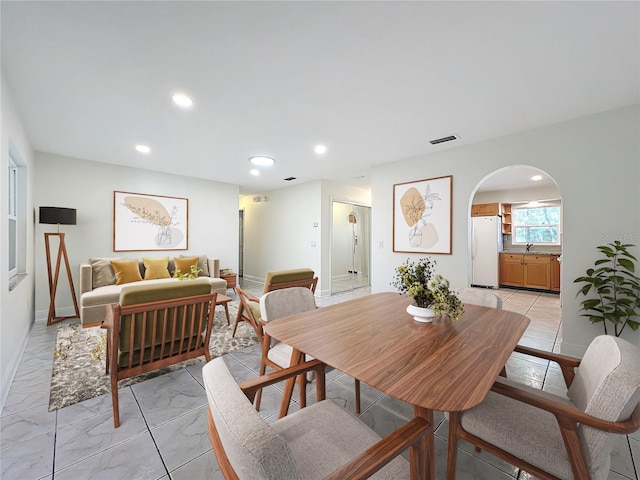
[(192, 275), (418, 280)]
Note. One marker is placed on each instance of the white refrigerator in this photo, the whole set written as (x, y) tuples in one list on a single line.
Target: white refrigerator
[(486, 244)]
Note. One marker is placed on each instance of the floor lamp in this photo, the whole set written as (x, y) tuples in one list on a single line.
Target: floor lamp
[(58, 216)]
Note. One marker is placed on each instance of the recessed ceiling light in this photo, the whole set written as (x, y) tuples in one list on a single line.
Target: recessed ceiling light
[(254, 172), (143, 148), (261, 161), (182, 100), (320, 149), (536, 178)]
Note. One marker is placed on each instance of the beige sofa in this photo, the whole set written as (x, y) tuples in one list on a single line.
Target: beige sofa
[(98, 288)]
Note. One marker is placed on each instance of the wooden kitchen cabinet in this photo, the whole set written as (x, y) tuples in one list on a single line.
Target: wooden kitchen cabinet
[(484, 209), (506, 218), (537, 271), (511, 269), (555, 273), (525, 270)]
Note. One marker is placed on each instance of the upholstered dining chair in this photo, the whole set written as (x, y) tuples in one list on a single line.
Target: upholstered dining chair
[(321, 441), (277, 355), (555, 437), (249, 309), (478, 296)]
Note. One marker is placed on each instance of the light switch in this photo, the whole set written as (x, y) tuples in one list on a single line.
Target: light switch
[(314, 244), (380, 244), (315, 224)]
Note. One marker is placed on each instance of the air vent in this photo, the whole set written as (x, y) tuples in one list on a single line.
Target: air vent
[(288, 179), (443, 139)]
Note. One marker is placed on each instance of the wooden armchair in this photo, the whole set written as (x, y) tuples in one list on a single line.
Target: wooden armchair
[(249, 308), (277, 355), (154, 326), (554, 437), (335, 445)]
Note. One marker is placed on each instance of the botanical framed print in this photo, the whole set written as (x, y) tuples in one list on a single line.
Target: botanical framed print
[(149, 222), (422, 216)]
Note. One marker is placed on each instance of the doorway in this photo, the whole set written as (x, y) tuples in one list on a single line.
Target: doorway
[(350, 246)]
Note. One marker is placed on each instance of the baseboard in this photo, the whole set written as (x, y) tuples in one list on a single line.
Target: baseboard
[(41, 315)]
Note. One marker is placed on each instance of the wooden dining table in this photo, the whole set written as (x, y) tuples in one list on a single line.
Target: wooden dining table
[(445, 365)]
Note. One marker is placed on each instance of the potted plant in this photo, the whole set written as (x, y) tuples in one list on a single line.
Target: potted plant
[(428, 290), (192, 275), (612, 289)]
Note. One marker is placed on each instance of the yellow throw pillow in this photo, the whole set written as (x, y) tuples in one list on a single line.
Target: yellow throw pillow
[(184, 264), (156, 268), (127, 271)]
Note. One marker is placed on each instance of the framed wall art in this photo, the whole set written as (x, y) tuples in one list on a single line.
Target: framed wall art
[(149, 222), (422, 216)]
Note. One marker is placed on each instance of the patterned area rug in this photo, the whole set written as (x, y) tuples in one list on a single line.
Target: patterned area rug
[(79, 358)]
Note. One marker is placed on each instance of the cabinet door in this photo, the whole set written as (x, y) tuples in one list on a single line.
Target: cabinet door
[(536, 271), (511, 270), (487, 209), (555, 273)]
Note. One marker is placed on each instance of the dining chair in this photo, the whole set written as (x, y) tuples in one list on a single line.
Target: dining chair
[(478, 296), (249, 309), (277, 355), (552, 436), (321, 441)]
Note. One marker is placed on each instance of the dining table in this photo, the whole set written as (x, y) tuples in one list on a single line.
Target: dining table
[(446, 365)]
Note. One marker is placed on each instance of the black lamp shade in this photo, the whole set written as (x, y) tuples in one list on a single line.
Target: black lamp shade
[(57, 215)]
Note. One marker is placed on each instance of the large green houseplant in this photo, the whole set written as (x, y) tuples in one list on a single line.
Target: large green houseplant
[(612, 289)]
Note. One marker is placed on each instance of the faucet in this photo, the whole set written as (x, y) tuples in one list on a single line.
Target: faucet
[(529, 245)]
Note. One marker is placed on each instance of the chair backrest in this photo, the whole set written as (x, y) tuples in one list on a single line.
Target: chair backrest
[(477, 296), (248, 444), (607, 386), (157, 326), (297, 277), (282, 303)]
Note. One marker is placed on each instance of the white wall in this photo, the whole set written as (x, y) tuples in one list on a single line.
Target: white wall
[(595, 161), (89, 186), (280, 232), (16, 306)]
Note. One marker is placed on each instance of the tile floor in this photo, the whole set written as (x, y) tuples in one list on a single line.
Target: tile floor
[(164, 434)]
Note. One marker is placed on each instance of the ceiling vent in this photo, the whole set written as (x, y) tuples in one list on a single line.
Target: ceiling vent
[(259, 199), (443, 139), (288, 179)]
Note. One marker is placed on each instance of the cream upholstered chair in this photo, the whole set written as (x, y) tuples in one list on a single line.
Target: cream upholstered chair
[(249, 309), (275, 354), (554, 437), (478, 296), (321, 441)]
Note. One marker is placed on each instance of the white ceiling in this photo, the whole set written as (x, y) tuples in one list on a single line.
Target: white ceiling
[(373, 81)]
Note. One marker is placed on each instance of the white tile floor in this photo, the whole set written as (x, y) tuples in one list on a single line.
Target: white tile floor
[(164, 435)]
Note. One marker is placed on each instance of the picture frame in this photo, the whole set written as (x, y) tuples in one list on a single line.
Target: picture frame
[(149, 222), (422, 216)]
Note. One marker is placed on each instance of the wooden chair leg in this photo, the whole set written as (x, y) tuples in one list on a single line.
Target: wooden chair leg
[(114, 401), (263, 369), (357, 387), (302, 385)]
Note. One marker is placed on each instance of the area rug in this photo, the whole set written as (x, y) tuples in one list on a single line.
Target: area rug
[(79, 359)]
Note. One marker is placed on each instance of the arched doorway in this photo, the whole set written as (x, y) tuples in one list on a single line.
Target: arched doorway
[(527, 207)]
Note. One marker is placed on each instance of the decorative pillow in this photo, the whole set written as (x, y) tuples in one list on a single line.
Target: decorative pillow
[(184, 264), (156, 268), (102, 272), (127, 271), (202, 265)]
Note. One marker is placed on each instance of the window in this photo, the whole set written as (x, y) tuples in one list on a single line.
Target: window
[(540, 224), (13, 218)]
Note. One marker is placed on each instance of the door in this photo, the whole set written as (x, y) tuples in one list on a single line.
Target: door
[(350, 246)]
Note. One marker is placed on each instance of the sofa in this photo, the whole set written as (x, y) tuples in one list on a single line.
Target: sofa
[(100, 285)]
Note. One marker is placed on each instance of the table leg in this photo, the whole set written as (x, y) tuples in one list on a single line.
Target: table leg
[(430, 445), (296, 357)]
